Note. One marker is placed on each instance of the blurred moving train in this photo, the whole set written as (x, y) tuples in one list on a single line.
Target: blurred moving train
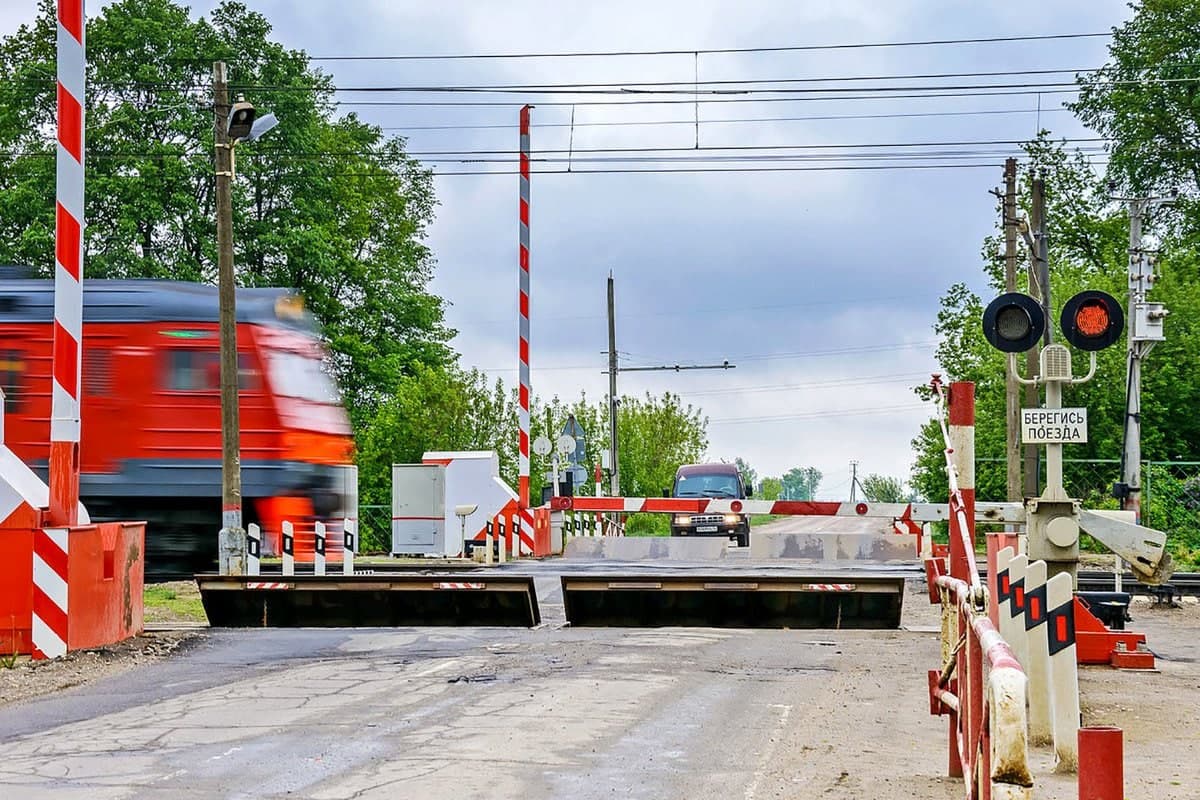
[(150, 444)]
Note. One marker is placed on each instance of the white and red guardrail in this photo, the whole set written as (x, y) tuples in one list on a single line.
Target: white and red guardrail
[(981, 685)]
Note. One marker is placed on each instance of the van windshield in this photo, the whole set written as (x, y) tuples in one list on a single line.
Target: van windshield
[(701, 485)]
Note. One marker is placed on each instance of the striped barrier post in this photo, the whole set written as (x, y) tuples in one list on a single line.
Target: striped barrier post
[(1064, 670), (523, 310), (514, 522), (487, 543), (1016, 582), (961, 437), (67, 346), (50, 592), (502, 538), (349, 530), (1041, 725), (253, 548), (289, 545), (578, 520), (319, 548)]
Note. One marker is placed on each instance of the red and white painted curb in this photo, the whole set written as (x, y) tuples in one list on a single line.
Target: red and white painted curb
[(50, 595)]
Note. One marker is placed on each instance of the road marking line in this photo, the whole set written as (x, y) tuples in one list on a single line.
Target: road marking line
[(769, 750)]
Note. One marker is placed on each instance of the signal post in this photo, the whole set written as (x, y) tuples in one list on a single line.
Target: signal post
[(1090, 321)]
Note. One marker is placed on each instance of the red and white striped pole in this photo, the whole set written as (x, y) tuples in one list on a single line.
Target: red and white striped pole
[(961, 412), (523, 340), (68, 269)]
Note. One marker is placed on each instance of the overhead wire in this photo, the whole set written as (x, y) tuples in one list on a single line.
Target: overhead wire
[(713, 51)]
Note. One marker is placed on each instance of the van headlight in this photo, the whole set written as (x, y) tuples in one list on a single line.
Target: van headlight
[(683, 520), (732, 519)]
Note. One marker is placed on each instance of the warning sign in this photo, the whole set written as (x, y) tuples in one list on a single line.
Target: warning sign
[(1053, 425)]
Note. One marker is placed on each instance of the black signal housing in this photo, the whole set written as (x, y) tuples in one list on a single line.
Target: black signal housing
[(1092, 320), (1013, 322)]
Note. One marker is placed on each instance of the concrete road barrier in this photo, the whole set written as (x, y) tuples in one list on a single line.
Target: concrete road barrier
[(880, 547), (644, 548)]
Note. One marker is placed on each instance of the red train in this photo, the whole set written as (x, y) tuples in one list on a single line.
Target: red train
[(150, 443)]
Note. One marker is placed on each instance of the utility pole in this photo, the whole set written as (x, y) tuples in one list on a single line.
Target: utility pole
[(1042, 240), (614, 469), (1039, 289), (853, 479), (232, 539), (1012, 404), (614, 368), (1145, 330)]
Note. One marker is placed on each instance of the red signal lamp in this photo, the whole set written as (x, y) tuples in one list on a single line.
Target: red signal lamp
[(1092, 320)]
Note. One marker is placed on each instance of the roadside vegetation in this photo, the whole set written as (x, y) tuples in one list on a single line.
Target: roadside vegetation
[(1143, 102)]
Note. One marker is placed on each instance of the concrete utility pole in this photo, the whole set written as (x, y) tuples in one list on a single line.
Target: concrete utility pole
[(1012, 405), (853, 479), (1039, 289), (232, 540), (1145, 330), (614, 367), (614, 469)]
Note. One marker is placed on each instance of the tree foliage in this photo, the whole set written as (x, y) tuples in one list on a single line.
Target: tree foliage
[(884, 489), (800, 483), (771, 489), (1146, 99), (325, 204)]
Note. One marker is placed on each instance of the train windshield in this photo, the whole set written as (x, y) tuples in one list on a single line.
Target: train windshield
[(302, 377)]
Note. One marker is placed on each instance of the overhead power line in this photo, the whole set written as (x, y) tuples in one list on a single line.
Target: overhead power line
[(728, 121), (712, 51)]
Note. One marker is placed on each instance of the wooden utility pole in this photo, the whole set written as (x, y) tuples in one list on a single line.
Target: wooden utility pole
[(1039, 289), (1012, 406), (232, 543)]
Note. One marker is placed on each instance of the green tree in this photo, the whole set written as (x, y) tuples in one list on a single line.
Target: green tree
[(1088, 241), (324, 204), (434, 409), (772, 489), (1144, 99), (748, 473), (800, 483), (884, 489)]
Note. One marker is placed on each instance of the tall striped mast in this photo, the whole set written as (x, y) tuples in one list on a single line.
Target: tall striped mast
[(523, 340), (68, 268)]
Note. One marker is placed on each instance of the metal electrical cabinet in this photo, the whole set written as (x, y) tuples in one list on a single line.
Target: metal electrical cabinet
[(418, 509)]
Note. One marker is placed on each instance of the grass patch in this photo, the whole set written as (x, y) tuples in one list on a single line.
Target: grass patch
[(176, 601)]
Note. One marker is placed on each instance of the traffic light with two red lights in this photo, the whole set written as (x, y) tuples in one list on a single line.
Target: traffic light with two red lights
[(1090, 321)]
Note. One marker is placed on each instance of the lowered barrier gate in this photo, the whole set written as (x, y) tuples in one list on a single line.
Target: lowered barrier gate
[(365, 601), (733, 601)]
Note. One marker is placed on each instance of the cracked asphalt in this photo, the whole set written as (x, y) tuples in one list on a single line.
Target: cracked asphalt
[(551, 712), (554, 712)]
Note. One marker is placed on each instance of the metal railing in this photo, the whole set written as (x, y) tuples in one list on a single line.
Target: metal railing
[(980, 685)]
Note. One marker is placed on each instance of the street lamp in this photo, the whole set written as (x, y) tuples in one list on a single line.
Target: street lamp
[(232, 124)]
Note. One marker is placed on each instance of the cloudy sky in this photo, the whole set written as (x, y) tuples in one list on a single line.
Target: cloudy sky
[(819, 284)]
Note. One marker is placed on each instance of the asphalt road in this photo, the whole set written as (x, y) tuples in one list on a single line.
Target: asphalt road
[(496, 713)]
